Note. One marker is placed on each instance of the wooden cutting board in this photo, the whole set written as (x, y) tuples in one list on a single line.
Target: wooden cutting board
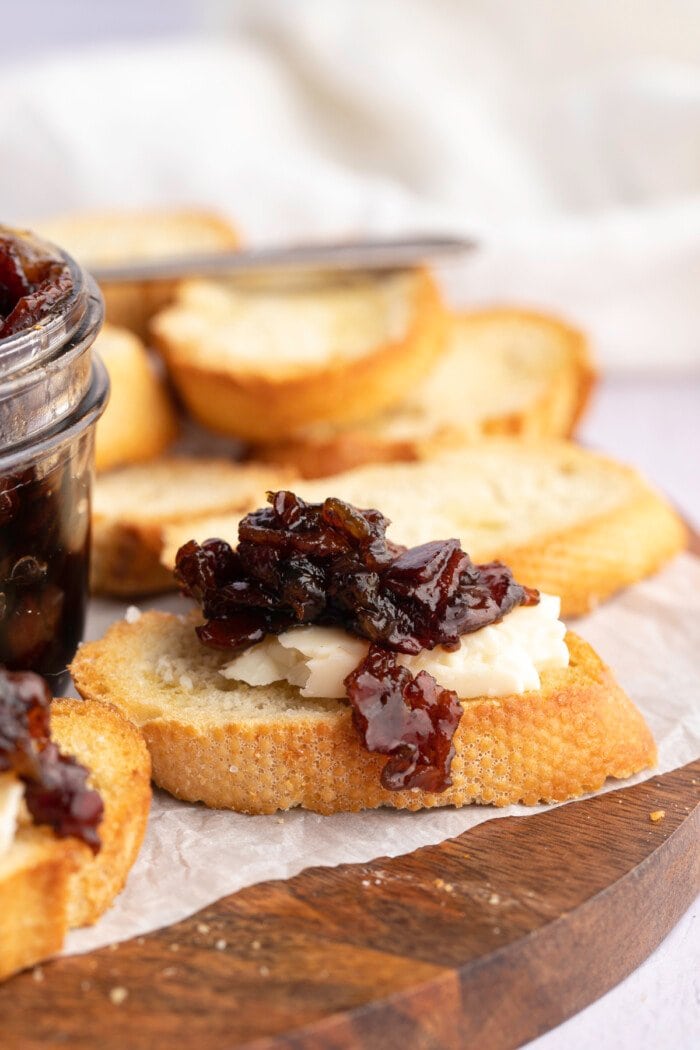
[(488, 939)]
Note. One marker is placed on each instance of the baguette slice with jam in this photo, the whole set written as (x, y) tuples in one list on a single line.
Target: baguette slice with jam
[(50, 884)]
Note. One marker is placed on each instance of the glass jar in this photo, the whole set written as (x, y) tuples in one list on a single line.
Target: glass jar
[(52, 392)]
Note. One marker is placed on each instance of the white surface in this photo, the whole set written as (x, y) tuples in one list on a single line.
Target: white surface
[(564, 135)]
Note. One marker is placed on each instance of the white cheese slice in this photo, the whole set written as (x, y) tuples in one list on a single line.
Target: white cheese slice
[(11, 795), (498, 660)]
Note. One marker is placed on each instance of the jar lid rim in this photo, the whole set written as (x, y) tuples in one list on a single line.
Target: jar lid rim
[(32, 347)]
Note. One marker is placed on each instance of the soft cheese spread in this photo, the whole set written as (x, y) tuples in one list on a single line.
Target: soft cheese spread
[(497, 660)]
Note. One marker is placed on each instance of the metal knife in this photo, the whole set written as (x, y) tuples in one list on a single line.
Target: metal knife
[(392, 253)]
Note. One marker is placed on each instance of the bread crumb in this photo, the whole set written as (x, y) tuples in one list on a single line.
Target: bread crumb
[(264, 971), (174, 947), (132, 614), (657, 815), (494, 899), (169, 971), (440, 884), (38, 974), (366, 882), (118, 995), (255, 945), (202, 927), (186, 682), (221, 944), (233, 769)]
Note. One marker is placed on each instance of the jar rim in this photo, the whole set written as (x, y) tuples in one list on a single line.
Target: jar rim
[(87, 413), (30, 348), (45, 370)]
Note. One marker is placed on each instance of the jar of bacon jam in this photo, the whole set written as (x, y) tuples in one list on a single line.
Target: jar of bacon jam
[(52, 392)]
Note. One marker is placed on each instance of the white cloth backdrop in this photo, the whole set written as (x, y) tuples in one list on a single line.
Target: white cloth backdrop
[(566, 136)]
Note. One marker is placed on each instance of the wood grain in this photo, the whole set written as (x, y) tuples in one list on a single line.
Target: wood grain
[(488, 939)]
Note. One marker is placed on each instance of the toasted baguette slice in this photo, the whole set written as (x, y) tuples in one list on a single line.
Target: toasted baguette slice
[(568, 521), (260, 363), (505, 371), (133, 506), (139, 422), (258, 749), (48, 884), (100, 238)]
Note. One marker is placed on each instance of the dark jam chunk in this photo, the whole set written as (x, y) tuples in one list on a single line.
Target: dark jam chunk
[(331, 564), (44, 535), (56, 791), (413, 720), (32, 284)]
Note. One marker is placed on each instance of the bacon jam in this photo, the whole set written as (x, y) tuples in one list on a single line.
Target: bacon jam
[(44, 538), (331, 564), (55, 785), (32, 283)]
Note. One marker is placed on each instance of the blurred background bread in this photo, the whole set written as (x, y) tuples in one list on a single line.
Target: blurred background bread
[(260, 363), (504, 371), (110, 237), (140, 420)]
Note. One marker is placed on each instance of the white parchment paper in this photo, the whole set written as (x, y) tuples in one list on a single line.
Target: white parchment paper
[(192, 856)]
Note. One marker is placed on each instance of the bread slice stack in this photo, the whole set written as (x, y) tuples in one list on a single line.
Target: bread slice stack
[(50, 884), (568, 521), (110, 238), (504, 371)]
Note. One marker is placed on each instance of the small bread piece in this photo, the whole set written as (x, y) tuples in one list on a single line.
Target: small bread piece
[(139, 422), (258, 363), (258, 749), (505, 371), (101, 238), (567, 521), (49, 884), (133, 506)]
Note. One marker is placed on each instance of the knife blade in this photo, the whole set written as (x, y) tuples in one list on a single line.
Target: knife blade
[(356, 255)]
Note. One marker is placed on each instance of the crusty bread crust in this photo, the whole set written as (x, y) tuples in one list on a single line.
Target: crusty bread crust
[(89, 237), (550, 745), (34, 880), (140, 421), (554, 413), (590, 563), (113, 749), (49, 884), (263, 406)]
